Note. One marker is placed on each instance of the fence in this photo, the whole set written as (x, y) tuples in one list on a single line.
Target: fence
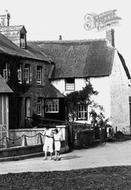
[(31, 137)]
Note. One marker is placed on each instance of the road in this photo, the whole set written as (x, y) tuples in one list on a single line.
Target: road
[(110, 154)]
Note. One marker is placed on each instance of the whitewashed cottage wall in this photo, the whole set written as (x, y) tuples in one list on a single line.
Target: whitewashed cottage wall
[(100, 84), (120, 114)]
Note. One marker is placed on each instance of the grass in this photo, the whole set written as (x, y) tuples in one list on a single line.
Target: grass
[(105, 178)]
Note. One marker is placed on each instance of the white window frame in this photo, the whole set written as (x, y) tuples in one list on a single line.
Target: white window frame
[(27, 72), (39, 106), (52, 106), (6, 72), (39, 75), (22, 41), (70, 84), (82, 112), (19, 74)]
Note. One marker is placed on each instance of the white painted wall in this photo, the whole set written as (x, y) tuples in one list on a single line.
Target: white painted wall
[(101, 84), (60, 85), (120, 115)]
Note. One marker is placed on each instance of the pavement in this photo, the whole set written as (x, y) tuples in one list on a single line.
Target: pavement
[(109, 154)]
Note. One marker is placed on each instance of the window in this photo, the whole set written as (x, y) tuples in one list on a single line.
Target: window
[(22, 41), (82, 112), (70, 84), (27, 74), (39, 106), (52, 106), (39, 75), (19, 74), (6, 72)]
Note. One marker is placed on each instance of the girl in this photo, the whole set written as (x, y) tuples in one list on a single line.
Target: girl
[(48, 145), (57, 144)]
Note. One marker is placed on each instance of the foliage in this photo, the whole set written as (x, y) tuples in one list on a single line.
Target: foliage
[(81, 96)]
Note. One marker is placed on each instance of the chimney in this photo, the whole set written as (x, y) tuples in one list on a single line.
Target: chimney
[(5, 19), (110, 36), (60, 37), (8, 18)]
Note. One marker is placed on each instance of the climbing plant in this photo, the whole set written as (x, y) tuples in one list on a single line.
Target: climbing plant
[(81, 96)]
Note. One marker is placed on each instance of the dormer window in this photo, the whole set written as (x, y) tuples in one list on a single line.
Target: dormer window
[(70, 84), (22, 40), (39, 75)]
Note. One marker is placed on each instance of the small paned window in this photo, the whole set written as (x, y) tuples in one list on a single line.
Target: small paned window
[(82, 113), (52, 106), (27, 73), (39, 75), (19, 74), (39, 106), (70, 84), (6, 72), (22, 41)]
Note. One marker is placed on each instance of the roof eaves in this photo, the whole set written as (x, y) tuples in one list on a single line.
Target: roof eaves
[(124, 65)]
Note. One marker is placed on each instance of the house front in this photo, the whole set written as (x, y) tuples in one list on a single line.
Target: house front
[(26, 70), (78, 62)]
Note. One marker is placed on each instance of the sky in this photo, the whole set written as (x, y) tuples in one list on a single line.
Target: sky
[(47, 19)]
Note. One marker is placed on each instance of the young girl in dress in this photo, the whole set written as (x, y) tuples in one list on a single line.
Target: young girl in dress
[(57, 144), (48, 144)]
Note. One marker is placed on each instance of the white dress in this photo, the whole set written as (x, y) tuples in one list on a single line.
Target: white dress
[(48, 145), (57, 141)]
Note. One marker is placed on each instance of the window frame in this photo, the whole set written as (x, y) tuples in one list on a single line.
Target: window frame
[(27, 69), (6, 72), (82, 109), (22, 40), (70, 84), (39, 75), (39, 106), (52, 105), (19, 74)]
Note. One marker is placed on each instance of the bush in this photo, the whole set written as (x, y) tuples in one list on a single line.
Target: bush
[(119, 135)]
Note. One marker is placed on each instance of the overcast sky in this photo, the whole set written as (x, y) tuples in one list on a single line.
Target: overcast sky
[(47, 19)]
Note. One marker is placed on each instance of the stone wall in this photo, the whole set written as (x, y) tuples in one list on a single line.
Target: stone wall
[(32, 137)]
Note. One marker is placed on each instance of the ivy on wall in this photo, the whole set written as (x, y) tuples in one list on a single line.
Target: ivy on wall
[(81, 96)]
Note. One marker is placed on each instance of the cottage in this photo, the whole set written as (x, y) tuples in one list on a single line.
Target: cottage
[(26, 70), (45, 71), (77, 62)]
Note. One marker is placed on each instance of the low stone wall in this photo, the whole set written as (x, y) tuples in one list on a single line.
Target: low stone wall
[(29, 141)]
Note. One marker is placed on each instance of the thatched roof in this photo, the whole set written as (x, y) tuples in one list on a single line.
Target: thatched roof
[(4, 88), (82, 58)]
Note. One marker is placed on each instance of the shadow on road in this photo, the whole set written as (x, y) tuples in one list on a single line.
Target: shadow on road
[(70, 157)]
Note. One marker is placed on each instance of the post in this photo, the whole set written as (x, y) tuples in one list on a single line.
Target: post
[(39, 139), (24, 141), (5, 142)]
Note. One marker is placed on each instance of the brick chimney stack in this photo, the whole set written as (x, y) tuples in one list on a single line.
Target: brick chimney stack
[(60, 37), (5, 19), (110, 36)]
